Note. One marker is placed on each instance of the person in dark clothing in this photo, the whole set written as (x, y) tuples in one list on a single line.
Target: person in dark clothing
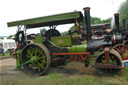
[(1, 49)]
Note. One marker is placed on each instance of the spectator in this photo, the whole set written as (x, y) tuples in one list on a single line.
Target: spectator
[(1, 49)]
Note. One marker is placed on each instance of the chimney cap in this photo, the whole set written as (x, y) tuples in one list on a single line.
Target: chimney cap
[(86, 8), (116, 14)]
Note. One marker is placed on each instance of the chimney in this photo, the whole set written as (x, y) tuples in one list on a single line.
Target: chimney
[(116, 15), (124, 24), (88, 22)]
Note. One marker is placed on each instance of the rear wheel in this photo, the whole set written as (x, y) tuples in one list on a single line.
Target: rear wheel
[(39, 57)]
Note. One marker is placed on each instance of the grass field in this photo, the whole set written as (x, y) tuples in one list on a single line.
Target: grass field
[(72, 74), (5, 54)]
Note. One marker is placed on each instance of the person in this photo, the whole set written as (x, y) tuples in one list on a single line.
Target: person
[(1, 49)]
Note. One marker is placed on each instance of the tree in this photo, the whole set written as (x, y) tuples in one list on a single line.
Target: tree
[(123, 10), (64, 33), (95, 20), (42, 31), (106, 20), (10, 36), (1, 38)]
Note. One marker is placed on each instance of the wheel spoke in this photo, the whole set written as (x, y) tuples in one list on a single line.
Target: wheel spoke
[(43, 57), (28, 52), (119, 47), (41, 52), (40, 65), (39, 68), (44, 61), (33, 66), (35, 51), (122, 49), (28, 56), (117, 50)]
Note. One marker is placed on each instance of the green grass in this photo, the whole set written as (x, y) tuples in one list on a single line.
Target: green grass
[(5, 54)]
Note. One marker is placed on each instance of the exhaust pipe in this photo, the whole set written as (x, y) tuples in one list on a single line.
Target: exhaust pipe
[(87, 22), (116, 15)]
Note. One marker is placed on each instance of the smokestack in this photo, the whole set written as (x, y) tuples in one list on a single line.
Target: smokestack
[(124, 25), (88, 23), (116, 15)]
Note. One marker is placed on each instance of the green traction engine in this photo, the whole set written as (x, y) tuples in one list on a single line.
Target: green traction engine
[(53, 49)]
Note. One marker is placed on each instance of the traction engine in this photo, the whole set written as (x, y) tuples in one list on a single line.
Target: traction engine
[(52, 49)]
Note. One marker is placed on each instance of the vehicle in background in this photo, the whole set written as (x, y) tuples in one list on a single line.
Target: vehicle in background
[(8, 44)]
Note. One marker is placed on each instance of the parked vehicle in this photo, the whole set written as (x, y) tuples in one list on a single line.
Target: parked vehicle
[(8, 44), (52, 49)]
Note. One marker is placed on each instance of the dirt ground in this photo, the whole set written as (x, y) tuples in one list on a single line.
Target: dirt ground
[(8, 67), (9, 73)]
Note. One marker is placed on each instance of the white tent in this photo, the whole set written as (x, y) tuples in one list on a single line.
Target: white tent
[(8, 44)]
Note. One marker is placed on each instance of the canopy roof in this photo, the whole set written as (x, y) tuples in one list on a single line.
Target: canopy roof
[(65, 18)]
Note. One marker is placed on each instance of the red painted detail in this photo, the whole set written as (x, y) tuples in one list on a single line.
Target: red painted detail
[(77, 58), (14, 50), (107, 54), (104, 26), (17, 46), (113, 41), (72, 58), (81, 53), (101, 46), (126, 58)]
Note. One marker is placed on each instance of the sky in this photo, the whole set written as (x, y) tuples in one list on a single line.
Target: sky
[(13, 10)]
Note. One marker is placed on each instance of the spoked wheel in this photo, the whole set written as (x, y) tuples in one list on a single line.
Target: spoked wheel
[(126, 43), (122, 50), (38, 57), (114, 63)]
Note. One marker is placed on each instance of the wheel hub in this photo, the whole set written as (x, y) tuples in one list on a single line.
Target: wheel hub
[(34, 59)]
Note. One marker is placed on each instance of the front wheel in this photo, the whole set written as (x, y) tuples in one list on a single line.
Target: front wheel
[(38, 57), (114, 63)]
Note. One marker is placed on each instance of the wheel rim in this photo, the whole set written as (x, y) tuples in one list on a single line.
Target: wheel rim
[(39, 60), (113, 60), (122, 50)]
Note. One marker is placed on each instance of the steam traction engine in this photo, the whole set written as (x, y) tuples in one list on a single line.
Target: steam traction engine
[(53, 49), (121, 45)]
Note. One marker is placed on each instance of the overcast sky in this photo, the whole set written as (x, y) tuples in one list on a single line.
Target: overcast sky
[(12, 10)]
